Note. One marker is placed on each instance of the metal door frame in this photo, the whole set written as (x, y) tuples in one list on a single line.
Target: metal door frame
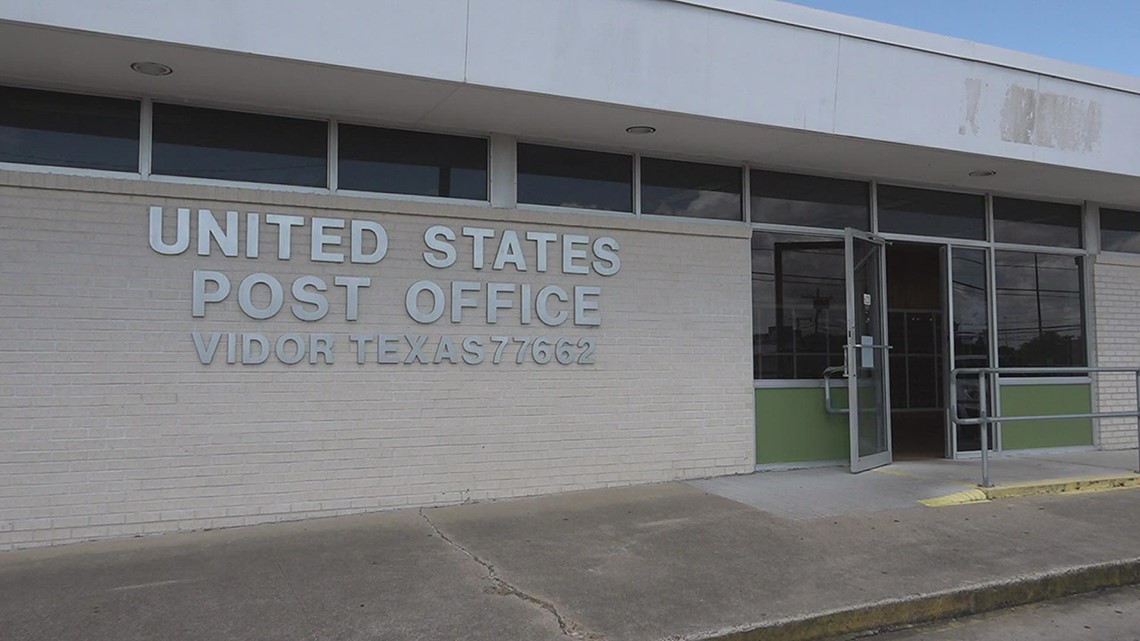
[(862, 463)]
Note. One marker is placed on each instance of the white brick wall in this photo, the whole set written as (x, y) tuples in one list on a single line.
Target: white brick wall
[(1117, 299), (111, 427)]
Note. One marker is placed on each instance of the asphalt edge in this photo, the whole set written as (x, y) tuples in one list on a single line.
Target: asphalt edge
[(937, 606)]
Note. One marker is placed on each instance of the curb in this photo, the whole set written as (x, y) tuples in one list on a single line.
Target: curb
[(1061, 486), (1036, 488), (926, 608)]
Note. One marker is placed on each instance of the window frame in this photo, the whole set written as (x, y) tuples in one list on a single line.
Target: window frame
[(1082, 216), (872, 212), (1087, 309), (334, 164), (635, 176), (1100, 229), (143, 158), (639, 186), (244, 184)]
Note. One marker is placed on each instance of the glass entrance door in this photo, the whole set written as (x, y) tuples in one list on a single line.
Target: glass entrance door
[(867, 362)]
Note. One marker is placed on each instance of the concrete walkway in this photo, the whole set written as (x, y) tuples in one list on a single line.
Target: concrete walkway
[(834, 491), (665, 561)]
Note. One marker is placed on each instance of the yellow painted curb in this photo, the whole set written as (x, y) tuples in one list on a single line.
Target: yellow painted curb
[(1036, 488), (975, 495), (1063, 486)]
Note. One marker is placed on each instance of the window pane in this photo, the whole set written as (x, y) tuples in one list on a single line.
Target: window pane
[(68, 130), (971, 314), (1031, 222), (799, 305), (1040, 317), (1120, 230), (793, 199), (411, 162), (229, 145), (931, 213), (971, 335), (574, 178), (674, 188)]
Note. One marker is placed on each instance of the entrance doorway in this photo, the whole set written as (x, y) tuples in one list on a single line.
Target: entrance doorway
[(900, 351), (916, 327)]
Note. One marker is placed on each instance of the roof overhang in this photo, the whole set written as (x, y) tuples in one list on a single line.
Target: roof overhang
[(717, 85)]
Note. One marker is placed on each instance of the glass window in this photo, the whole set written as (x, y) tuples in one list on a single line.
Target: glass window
[(230, 145), (931, 213), (68, 130), (1031, 222), (799, 305), (1119, 230), (695, 190), (411, 162), (792, 199), (1040, 318), (971, 312), (971, 335), (574, 178)]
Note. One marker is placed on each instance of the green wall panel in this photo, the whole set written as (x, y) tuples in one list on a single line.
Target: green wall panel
[(792, 426), (1035, 400)]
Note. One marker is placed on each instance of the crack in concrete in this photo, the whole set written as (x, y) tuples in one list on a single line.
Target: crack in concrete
[(503, 587)]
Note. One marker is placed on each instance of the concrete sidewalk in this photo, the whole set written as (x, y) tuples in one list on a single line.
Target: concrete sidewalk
[(833, 491), (665, 561)]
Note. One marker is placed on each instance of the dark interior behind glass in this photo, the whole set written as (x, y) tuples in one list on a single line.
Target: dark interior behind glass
[(812, 201), (68, 130), (411, 162), (694, 190), (1033, 222), (230, 145), (1119, 230), (574, 178), (925, 212)]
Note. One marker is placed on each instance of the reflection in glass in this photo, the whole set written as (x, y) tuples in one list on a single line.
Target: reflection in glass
[(1119, 230), (230, 145), (931, 213), (794, 199), (574, 178), (1032, 222), (1040, 318), (411, 162), (695, 190), (799, 305), (68, 130), (869, 372), (971, 335)]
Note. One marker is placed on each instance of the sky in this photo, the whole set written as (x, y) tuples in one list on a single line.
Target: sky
[(1098, 33)]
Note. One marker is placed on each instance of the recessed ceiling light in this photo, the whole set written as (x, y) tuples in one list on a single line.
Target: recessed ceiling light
[(640, 130), (982, 173), (152, 68)]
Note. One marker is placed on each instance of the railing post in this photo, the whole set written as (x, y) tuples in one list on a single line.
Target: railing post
[(984, 429), (1138, 420)]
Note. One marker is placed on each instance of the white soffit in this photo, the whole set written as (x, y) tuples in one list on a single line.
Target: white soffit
[(65, 59)]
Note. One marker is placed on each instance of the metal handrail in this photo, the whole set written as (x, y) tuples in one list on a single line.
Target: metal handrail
[(984, 419)]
